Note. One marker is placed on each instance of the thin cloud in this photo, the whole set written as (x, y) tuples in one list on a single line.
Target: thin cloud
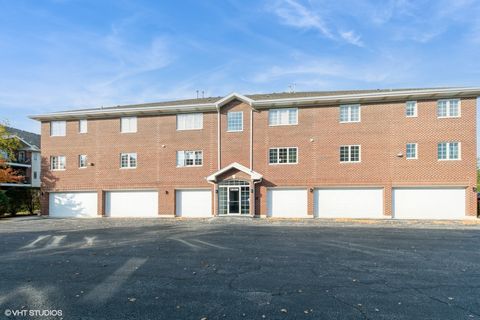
[(294, 14)]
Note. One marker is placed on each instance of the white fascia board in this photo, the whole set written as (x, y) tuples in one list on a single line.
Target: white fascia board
[(233, 96), (253, 175), (367, 97)]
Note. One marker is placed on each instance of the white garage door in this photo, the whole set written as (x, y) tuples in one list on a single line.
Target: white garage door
[(429, 203), (132, 204), (73, 204), (193, 203), (349, 203), (287, 203)]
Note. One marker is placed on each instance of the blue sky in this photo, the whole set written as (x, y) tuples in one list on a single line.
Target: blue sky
[(67, 54)]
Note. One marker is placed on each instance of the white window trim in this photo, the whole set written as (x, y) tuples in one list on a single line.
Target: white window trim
[(415, 115), (240, 130), (350, 113), (193, 165), (282, 163), (79, 161), (189, 129), (80, 126), (58, 135), (283, 124), (448, 109), (122, 130), (51, 163), (416, 151), (129, 154), (349, 153), (448, 151)]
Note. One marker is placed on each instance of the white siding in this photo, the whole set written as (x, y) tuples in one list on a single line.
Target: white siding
[(133, 204), (193, 203), (349, 203), (73, 204), (287, 203), (429, 203)]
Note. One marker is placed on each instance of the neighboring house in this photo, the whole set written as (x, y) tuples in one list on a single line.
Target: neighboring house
[(27, 160), (404, 153)]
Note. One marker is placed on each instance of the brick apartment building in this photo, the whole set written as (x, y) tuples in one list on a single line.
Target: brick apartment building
[(404, 153)]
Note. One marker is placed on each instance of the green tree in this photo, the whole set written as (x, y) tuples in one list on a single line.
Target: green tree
[(8, 146)]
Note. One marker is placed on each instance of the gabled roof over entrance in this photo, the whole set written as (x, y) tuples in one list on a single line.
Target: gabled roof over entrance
[(233, 96), (253, 175)]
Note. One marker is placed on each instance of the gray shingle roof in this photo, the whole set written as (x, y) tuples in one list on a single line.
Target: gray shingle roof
[(30, 137), (260, 96)]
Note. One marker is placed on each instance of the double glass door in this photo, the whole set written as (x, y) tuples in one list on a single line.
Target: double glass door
[(234, 197)]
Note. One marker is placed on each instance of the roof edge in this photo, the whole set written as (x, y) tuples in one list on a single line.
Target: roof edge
[(264, 103)]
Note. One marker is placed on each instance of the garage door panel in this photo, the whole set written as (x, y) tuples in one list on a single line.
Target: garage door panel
[(194, 203), (287, 203), (429, 203), (73, 204), (133, 204), (349, 203)]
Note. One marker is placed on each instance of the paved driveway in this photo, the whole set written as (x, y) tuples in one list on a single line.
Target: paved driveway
[(239, 269)]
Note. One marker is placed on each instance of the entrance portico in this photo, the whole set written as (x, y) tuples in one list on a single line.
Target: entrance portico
[(235, 190)]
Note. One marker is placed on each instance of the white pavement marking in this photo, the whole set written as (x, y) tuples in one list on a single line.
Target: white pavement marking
[(55, 242), (34, 242), (105, 290), (210, 244), (185, 242), (88, 241)]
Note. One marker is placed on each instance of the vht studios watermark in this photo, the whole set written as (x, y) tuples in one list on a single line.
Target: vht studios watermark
[(33, 313)]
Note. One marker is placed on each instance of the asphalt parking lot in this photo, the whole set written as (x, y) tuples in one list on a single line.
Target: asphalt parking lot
[(228, 268)]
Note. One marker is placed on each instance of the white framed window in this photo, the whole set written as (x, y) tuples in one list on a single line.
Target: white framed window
[(411, 151), (189, 158), (35, 175), (282, 117), (350, 153), (35, 156), (287, 155), (128, 160), (58, 162), (128, 124), (82, 161), (448, 108), (350, 113), (411, 109), (58, 128), (82, 126), (190, 121), (449, 150), (235, 121)]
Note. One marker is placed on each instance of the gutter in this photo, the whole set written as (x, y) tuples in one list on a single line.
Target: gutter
[(265, 103)]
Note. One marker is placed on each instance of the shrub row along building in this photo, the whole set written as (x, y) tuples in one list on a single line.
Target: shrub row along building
[(405, 153)]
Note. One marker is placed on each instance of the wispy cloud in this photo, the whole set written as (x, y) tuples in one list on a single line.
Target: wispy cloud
[(295, 14)]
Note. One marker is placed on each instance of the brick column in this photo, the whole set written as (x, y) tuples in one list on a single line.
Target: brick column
[(387, 201), (101, 203), (44, 203), (311, 204)]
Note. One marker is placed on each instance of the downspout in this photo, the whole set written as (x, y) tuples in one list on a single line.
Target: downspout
[(218, 140), (251, 139)]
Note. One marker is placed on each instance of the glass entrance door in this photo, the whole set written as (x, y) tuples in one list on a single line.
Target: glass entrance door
[(234, 200), (234, 197)]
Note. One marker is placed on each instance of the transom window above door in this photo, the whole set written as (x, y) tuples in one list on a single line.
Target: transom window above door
[(282, 117), (283, 155), (235, 121), (350, 113)]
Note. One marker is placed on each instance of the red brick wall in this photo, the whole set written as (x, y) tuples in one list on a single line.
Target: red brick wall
[(382, 133)]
